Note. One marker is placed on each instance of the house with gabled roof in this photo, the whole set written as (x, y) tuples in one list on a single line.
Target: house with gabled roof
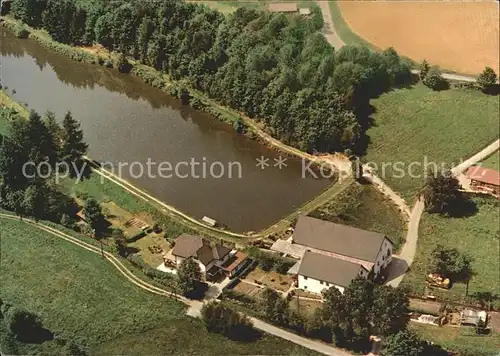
[(213, 259), (335, 254)]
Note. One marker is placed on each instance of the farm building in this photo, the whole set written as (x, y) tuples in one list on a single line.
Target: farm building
[(333, 254), (284, 7), (484, 180)]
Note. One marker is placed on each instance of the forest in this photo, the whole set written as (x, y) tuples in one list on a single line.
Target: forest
[(274, 68)]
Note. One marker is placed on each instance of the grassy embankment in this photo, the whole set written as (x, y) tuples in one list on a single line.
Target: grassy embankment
[(362, 206), (463, 341), (411, 125), (344, 31), (91, 302), (477, 235)]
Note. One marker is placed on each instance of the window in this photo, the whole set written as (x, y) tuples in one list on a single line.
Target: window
[(320, 282), (305, 278), (305, 287)]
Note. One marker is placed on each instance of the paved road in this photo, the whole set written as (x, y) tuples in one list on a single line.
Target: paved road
[(194, 307), (405, 258), (328, 28), (310, 344)]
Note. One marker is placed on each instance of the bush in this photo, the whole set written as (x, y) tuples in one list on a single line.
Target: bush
[(22, 323), (122, 64), (137, 261), (221, 319), (434, 80), (136, 236), (68, 221)]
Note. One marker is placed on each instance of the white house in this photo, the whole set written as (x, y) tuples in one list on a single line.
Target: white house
[(335, 254), (318, 272)]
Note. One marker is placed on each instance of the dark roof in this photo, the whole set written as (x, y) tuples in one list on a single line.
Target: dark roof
[(195, 246), (484, 175), (220, 251), (188, 245), (328, 269), (336, 238)]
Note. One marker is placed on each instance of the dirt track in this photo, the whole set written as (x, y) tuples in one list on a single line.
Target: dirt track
[(463, 37)]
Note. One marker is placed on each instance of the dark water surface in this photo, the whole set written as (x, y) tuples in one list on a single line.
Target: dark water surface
[(126, 120)]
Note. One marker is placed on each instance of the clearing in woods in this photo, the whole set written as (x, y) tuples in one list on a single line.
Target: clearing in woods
[(463, 37)]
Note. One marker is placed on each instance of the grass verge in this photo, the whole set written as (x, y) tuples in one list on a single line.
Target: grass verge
[(416, 126), (81, 296), (362, 206), (477, 235), (344, 31), (460, 341), (492, 162)]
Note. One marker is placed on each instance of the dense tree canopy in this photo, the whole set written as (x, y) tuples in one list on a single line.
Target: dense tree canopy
[(441, 192), (28, 158), (449, 262), (273, 67)]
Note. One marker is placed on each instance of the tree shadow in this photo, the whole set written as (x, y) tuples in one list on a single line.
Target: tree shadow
[(465, 207), (493, 90), (36, 336), (245, 333)]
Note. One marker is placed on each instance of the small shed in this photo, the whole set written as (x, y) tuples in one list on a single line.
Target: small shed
[(305, 11), (284, 7), (472, 317), (209, 221)]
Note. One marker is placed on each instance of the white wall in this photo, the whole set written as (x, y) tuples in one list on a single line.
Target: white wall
[(382, 260), (314, 286)]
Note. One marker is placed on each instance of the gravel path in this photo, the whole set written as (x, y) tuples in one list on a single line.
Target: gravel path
[(405, 258)]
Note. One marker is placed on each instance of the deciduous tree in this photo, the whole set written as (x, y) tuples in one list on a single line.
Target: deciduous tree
[(487, 79), (441, 192), (189, 277), (404, 343), (449, 262)]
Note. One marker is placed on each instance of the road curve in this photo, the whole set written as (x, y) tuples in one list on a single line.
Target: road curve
[(328, 27), (259, 324), (409, 249)]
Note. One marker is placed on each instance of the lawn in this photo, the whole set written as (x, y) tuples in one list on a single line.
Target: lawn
[(304, 307), (362, 206), (477, 235), (492, 161), (81, 296), (416, 126), (464, 341)]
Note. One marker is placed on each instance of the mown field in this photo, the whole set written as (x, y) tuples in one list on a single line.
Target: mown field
[(418, 125), (458, 36), (362, 206), (477, 235), (80, 296), (492, 161)]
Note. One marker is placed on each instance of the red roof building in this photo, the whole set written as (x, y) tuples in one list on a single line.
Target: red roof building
[(484, 179)]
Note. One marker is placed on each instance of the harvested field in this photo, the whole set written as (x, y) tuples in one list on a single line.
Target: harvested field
[(463, 37)]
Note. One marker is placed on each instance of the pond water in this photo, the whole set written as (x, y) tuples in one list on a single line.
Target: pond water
[(180, 151)]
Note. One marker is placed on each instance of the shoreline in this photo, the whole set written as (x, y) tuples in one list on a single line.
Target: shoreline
[(161, 81)]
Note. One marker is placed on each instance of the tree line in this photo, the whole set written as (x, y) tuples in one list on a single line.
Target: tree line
[(31, 189), (273, 67)]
